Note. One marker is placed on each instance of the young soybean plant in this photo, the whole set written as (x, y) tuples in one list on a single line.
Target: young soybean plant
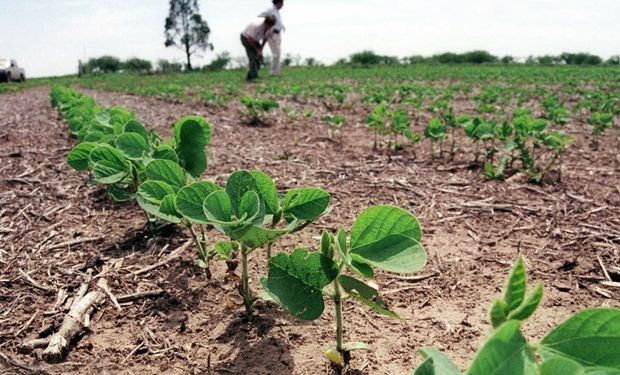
[(249, 212), (383, 237), (587, 343)]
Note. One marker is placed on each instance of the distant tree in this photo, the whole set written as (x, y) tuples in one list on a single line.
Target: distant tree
[(186, 29), (165, 66), (220, 62), (103, 64), (580, 59), (478, 57), (507, 60), (341, 61), (288, 60), (137, 65), (415, 59), (448, 58), (366, 58), (614, 60), (549, 60), (311, 61)]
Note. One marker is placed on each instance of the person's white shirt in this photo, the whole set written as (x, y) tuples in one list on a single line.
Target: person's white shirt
[(273, 11), (256, 31)]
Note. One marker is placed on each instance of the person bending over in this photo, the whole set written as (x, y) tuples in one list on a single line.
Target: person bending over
[(253, 39), (275, 39)]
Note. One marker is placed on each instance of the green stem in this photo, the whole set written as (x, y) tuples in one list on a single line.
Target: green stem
[(338, 304), (245, 284), (269, 251), (201, 250)]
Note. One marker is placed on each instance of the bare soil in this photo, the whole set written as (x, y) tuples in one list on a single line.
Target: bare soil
[(54, 226)]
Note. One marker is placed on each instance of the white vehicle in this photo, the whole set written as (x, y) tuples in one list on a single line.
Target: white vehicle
[(9, 71)]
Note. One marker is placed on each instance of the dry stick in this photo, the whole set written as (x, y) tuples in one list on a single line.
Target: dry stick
[(414, 279), (173, 255), (34, 283), (611, 283), (107, 291), (74, 242), (600, 262), (30, 346), (28, 323), (75, 321), (6, 361), (140, 295)]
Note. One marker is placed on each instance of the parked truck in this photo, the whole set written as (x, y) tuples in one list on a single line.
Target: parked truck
[(10, 71)]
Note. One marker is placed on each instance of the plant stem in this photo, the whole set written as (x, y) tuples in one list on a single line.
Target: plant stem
[(338, 304), (269, 251), (201, 250), (246, 293)]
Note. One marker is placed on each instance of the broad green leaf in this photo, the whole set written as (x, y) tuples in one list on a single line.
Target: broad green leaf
[(361, 269), (529, 304), (155, 191), (591, 338), (119, 193), (436, 364), (109, 165), (169, 210), (365, 294), (132, 145), (267, 190), (218, 207), (394, 253), (506, 352), (166, 171), (190, 200), (192, 134), (378, 222), (306, 204), (154, 210), (237, 185), (134, 126), (166, 153), (517, 283), (561, 366), (250, 207), (78, 158), (94, 136), (296, 282), (254, 237)]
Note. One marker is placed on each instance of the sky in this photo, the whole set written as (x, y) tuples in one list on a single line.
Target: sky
[(47, 37)]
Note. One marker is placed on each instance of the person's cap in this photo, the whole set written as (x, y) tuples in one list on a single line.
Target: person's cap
[(278, 1)]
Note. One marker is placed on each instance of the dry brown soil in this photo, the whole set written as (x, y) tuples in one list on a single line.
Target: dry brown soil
[(473, 231)]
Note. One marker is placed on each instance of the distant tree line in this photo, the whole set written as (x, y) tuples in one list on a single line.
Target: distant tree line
[(111, 64), (368, 57)]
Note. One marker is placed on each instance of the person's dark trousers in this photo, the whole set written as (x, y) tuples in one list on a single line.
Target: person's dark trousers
[(253, 57)]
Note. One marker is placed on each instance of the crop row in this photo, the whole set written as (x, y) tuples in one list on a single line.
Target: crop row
[(164, 179)]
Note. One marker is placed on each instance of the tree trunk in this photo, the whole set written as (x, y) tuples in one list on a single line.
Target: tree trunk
[(188, 54)]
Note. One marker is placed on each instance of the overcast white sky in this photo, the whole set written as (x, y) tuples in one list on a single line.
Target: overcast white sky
[(47, 37)]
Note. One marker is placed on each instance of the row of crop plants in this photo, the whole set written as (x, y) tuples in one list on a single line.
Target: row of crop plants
[(163, 177)]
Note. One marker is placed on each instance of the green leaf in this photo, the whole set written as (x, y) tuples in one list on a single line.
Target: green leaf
[(376, 223), (192, 134), (506, 352), (134, 126), (529, 304), (166, 171), (267, 190), (499, 313), (218, 207), (394, 253), (166, 153), (155, 191), (517, 284), (169, 210), (250, 207), (156, 210), (190, 200), (132, 145), (306, 204), (591, 338), (436, 364), (78, 158), (366, 294), (237, 185), (225, 249), (109, 165), (354, 346), (561, 366), (119, 193), (254, 237), (326, 245), (296, 282)]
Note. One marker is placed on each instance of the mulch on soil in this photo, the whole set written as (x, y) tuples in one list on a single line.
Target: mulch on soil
[(54, 227)]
